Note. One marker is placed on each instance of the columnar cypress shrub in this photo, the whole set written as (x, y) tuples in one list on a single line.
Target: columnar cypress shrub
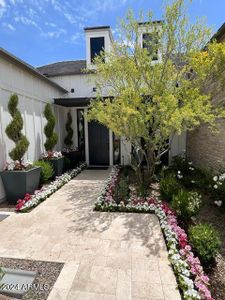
[(68, 139), (14, 131), (51, 136)]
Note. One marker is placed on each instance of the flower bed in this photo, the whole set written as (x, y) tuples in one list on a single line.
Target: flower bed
[(191, 279), (30, 201)]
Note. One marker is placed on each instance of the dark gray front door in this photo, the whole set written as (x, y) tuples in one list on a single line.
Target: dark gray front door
[(98, 137)]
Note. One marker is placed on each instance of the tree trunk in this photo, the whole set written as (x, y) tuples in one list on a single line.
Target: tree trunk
[(150, 165), (144, 173)]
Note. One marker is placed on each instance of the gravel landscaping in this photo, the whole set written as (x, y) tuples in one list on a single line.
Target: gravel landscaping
[(5, 206), (47, 274)]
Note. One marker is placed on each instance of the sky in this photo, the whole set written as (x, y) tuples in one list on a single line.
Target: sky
[(47, 31)]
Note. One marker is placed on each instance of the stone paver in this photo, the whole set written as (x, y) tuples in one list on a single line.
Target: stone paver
[(107, 255)]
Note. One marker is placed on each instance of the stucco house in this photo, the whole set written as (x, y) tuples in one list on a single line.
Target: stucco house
[(204, 148), (67, 87), (81, 89)]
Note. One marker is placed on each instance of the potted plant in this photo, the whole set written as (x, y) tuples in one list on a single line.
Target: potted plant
[(70, 152), (55, 158), (19, 177)]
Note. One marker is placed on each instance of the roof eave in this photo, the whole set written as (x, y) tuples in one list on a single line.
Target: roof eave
[(219, 34)]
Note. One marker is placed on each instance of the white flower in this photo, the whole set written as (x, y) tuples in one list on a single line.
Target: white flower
[(222, 177), (218, 203), (178, 172), (215, 186), (215, 178), (46, 191)]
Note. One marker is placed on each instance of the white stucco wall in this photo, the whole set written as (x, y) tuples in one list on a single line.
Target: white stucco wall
[(82, 84), (178, 145), (33, 94), (125, 149)]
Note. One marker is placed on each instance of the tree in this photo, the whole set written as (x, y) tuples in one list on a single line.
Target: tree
[(14, 131), (51, 136), (151, 100), (68, 139)]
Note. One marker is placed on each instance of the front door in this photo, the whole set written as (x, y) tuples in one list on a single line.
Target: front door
[(98, 137)]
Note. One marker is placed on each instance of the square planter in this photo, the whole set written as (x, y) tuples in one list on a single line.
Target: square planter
[(18, 183), (58, 165), (74, 158), (16, 283)]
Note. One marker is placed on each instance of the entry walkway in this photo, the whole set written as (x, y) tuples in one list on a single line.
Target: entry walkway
[(107, 256)]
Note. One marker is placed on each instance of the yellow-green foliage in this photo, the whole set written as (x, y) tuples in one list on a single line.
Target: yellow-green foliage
[(154, 100)]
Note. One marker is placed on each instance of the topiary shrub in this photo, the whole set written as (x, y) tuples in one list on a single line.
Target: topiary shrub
[(69, 138), (14, 131), (205, 241), (46, 170), (186, 204), (169, 186), (51, 136)]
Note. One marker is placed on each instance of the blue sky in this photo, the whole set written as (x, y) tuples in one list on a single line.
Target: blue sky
[(46, 31)]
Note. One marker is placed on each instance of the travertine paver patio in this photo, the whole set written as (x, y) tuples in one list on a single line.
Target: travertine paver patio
[(106, 255)]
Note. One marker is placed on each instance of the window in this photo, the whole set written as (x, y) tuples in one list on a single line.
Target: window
[(116, 150), (97, 45), (150, 42), (81, 133)]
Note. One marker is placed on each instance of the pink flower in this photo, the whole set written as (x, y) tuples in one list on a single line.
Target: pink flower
[(27, 197)]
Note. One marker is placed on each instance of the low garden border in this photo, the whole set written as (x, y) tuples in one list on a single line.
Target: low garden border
[(31, 201), (192, 281)]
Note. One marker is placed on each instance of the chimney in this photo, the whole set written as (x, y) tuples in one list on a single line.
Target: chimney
[(97, 39)]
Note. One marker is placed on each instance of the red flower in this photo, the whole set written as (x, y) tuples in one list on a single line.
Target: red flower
[(27, 197)]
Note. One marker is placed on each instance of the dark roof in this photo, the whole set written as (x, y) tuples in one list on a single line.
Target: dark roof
[(10, 57), (151, 22), (63, 68), (219, 34), (96, 27)]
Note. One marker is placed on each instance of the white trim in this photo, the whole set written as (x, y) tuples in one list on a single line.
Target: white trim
[(110, 147), (25, 125), (75, 128), (60, 141), (42, 125), (86, 138)]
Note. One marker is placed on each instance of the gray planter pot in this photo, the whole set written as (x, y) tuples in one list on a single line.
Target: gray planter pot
[(18, 183), (58, 165)]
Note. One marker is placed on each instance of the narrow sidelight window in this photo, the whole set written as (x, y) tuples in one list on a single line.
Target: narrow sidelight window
[(116, 150), (80, 132)]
